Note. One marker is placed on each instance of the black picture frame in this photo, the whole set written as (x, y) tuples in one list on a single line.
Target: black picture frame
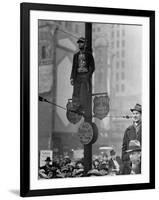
[(25, 9)]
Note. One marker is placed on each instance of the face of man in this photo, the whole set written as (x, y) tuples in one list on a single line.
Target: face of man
[(79, 166), (135, 157), (113, 156), (136, 116), (47, 162), (81, 45)]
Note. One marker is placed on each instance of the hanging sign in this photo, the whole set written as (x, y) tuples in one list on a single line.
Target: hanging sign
[(85, 133), (101, 106), (71, 115)]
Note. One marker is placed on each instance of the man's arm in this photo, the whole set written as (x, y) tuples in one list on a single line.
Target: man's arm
[(91, 65), (125, 155)]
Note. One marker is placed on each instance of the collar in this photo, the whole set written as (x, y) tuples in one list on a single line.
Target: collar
[(137, 124)]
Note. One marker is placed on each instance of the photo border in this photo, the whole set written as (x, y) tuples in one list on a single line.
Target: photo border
[(25, 99)]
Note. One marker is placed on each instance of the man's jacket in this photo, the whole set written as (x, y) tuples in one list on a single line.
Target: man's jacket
[(130, 134), (89, 64)]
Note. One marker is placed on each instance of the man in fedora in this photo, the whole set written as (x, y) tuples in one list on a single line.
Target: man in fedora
[(82, 69), (134, 152), (133, 132), (46, 170)]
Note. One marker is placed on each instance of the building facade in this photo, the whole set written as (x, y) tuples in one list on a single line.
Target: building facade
[(117, 52), (56, 46)]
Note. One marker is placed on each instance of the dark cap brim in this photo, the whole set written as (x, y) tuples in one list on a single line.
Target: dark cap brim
[(131, 150), (80, 41), (135, 110)]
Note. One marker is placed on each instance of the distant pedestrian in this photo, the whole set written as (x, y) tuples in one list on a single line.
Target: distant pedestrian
[(115, 164)]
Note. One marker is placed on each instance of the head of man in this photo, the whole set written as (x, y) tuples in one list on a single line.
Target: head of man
[(113, 154), (136, 113), (81, 43), (134, 151), (135, 157), (48, 160)]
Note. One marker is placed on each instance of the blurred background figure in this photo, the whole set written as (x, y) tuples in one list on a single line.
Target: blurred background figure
[(115, 164), (79, 169)]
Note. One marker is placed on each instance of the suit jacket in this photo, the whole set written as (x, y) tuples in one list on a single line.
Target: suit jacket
[(130, 134), (46, 168), (112, 165), (89, 63)]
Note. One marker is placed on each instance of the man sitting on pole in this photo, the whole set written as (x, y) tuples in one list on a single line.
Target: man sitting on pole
[(81, 75)]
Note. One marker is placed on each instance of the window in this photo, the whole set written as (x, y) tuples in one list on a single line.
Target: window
[(123, 53), (117, 76), (117, 54), (43, 52), (122, 75), (117, 64), (117, 88), (112, 34), (118, 33), (123, 64), (122, 87), (123, 43), (123, 32), (112, 44), (117, 43)]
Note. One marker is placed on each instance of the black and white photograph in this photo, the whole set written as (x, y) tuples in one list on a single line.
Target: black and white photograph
[(90, 97)]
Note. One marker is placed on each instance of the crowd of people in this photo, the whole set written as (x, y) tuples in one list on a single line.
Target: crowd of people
[(107, 165), (129, 163)]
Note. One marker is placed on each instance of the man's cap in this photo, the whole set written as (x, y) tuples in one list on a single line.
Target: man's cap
[(48, 159), (137, 107), (134, 145), (81, 39), (112, 152)]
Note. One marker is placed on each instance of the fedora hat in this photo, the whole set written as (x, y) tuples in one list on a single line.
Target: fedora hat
[(81, 39), (137, 107), (48, 159), (112, 152), (134, 145)]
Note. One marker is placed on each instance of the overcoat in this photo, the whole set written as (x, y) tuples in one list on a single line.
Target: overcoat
[(130, 134)]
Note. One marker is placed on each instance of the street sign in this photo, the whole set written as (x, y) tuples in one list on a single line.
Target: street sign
[(95, 133), (72, 116), (85, 133), (101, 106)]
